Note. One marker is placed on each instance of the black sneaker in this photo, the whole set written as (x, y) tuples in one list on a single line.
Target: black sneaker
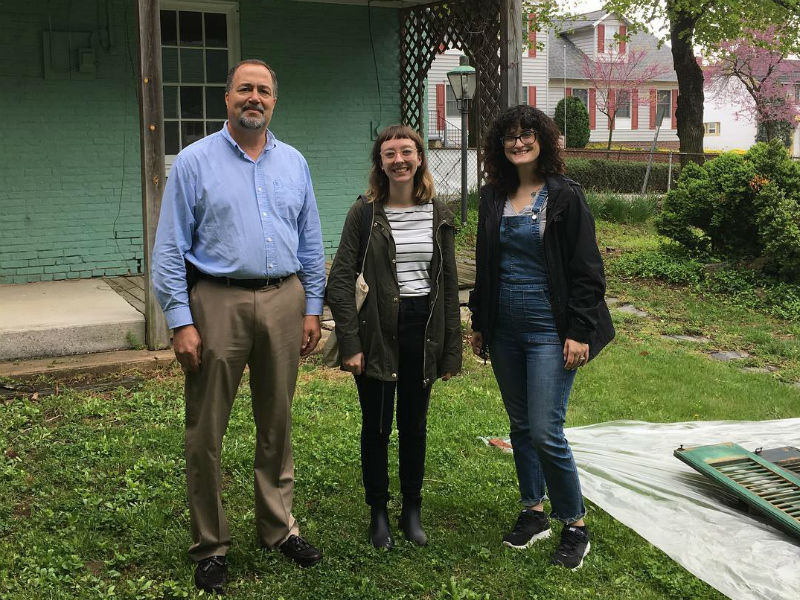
[(211, 574), (531, 525), (300, 551), (573, 547)]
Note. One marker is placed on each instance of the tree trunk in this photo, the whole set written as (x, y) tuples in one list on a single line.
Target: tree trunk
[(689, 113)]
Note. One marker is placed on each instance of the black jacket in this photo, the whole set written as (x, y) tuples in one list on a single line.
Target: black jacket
[(373, 330), (575, 277)]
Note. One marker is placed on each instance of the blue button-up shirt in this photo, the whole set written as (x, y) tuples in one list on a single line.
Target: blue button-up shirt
[(232, 216)]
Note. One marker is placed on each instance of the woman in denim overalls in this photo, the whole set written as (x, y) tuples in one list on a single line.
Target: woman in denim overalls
[(538, 309)]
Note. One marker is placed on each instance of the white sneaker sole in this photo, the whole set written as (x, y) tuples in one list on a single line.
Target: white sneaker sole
[(585, 552), (542, 535)]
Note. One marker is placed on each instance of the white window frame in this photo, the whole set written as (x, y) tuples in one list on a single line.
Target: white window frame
[(451, 108), (711, 128), (618, 104), (610, 44), (231, 11)]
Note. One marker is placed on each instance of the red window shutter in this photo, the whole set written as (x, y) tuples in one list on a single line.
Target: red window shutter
[(622, 31), (532, 95), (635, 109), (568, 92), (531, 35), (653, 108), (592, 108), (674, 109), (601, 38), (440, 105)]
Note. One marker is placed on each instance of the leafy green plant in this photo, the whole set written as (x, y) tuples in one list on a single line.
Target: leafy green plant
[(739, 206), (616, 208)]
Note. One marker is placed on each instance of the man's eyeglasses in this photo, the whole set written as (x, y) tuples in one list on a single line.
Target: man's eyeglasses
[(406, 153), (526, 137)]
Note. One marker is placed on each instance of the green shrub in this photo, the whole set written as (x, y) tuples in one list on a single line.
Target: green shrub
[(577, 122), (621, 176), (619, 209), (667, 264), (739, 206)]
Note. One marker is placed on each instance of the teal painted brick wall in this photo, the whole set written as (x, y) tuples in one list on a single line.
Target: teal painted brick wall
[(328, 89), (69, 157), (70, 195)]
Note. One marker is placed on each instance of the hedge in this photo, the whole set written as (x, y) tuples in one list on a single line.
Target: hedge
[(621, 176)]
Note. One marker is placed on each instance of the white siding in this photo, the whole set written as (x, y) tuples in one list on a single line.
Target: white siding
[(734, 133)]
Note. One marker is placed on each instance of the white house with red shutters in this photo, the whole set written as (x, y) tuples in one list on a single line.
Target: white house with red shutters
[(554, 67)]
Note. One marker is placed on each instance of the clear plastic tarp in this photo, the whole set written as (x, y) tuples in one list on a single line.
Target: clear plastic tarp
[(627, 469)]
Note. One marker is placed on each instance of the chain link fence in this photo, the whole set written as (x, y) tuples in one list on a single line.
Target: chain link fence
[(620, 171)]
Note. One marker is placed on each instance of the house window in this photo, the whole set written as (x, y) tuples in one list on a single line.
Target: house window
[(711, 128), (197, 49), (797, 92), (664, 106), (623, 104), (581, 94), (452, 109), (610, 43)]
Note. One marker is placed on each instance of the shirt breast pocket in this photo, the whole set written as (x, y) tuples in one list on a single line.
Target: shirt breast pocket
[(288, 198)]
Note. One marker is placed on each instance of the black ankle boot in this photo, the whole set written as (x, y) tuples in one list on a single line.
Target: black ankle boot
[(410, 521), (379, 532)]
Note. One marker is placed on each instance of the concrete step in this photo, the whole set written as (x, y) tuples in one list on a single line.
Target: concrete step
[(57, 318)]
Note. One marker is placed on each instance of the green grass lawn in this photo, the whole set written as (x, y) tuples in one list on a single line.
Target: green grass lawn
[(93, 502)]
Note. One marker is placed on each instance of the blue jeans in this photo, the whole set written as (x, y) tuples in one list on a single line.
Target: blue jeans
[(529, 368)]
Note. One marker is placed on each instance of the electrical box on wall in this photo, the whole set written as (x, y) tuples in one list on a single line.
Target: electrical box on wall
[(68, 55)]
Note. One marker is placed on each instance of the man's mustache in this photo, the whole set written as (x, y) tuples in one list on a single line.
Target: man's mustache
[(254, 107)]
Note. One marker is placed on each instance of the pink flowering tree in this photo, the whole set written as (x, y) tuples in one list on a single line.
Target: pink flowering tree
[(619, 79), (752, 72)]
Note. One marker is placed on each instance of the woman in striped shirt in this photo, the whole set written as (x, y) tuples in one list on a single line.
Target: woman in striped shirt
[(408, 332)]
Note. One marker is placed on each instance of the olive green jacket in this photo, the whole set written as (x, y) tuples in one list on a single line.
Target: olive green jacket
[(373, 330)]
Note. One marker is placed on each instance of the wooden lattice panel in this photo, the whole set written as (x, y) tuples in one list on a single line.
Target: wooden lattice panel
[(472, 26)]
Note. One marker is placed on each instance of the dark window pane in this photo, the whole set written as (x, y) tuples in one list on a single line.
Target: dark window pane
[(192, 102), (170, 102), (171, 143), (216, 66), (191, 28), (213, 126), (215, 103), (216, 30), (191, 66), (169, 65), (191, 131), (169, 28)]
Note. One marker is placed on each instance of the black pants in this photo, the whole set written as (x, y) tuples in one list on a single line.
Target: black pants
[(377, 409)]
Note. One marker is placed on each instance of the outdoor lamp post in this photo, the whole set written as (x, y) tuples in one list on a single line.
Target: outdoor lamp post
[(462, 81)]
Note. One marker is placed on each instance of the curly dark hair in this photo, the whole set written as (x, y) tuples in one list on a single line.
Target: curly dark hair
[(501, 173)]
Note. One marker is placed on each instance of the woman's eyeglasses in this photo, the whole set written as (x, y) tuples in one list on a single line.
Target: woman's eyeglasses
[(526, 137), (406, 153)]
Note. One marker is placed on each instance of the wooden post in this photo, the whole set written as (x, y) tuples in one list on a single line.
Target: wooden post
[(510, 53), (151, 134)]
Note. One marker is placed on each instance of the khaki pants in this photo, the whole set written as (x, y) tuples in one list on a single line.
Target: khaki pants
[(238, 327)]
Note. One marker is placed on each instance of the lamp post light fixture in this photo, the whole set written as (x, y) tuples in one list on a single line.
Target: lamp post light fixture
[(463, 81)]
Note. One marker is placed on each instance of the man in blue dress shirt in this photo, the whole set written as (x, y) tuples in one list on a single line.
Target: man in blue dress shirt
[(239, 270)]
